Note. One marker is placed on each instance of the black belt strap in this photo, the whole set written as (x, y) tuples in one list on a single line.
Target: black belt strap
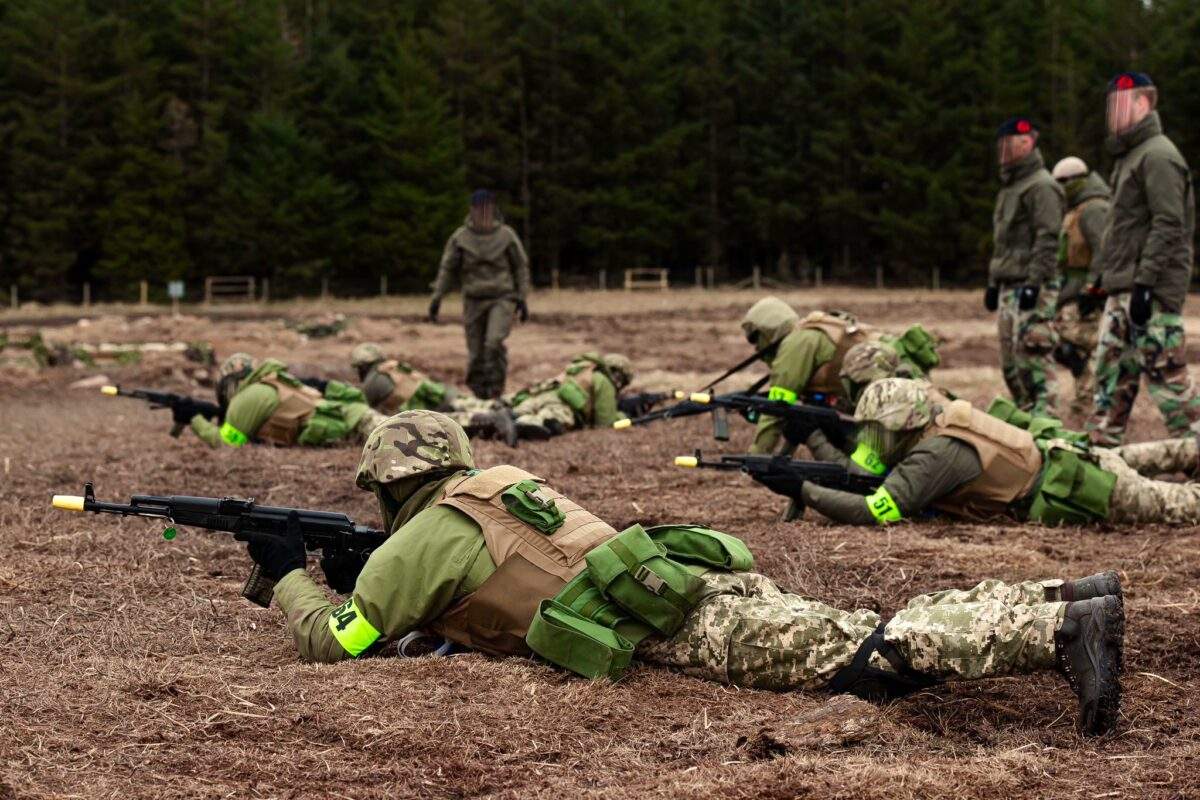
[(871, 683)]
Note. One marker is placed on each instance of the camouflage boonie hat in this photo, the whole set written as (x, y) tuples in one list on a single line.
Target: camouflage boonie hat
[(410, 443), (897, 404), (870, 361), (237, 363), (620, 366), (366, 354)]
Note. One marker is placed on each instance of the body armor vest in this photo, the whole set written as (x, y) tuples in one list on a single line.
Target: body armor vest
[(844, 332), (296, 406), (1009, 457), (531, 566), (405, 381), (1079, 252)]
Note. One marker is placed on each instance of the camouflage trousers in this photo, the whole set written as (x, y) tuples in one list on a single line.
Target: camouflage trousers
[(1026, 340), (462, 409), (753, 634), (542, 408), (1081, 331), (487, 322), (1137, 499), (1163, 457), (1123, 355), (369, 421)]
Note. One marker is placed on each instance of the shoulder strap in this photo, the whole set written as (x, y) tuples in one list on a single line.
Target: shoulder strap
[(871, 683)]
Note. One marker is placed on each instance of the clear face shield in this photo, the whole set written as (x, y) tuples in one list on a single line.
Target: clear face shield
[(1125, 108), (1011, 149), (888, 445)]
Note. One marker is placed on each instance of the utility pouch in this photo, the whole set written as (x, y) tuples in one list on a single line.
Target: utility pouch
[(429, 394), (343, 393), (636, 574), (570, 640), (573, 395), (700, 545), (920, 346), (1006, 410), (527, 502), (1072, 491)]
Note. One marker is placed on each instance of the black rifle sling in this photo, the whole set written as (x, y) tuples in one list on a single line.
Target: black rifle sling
[(861, 679)]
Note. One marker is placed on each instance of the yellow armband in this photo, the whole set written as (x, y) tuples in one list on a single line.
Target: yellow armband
[(882, 507), (350, 627)]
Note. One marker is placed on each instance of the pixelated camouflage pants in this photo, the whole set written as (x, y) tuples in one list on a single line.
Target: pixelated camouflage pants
[(1081, 331), (369, 421), (1137, 499), (487, 323), (462, 409), (542, 408), (1026, 341), (753, 634), (1125, 353), (1163, 457)]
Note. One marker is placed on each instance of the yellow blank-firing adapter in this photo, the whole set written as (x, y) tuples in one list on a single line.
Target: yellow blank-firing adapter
[(68, 502), (622, 424), (704, 398), (686, 461), (112, 391)]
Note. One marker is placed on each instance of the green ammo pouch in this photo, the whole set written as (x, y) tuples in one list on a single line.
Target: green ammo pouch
[(573, 395), (920, 346), (429, 394), (1006, 410), (340, 392), (574, 642), (527, 502), (700, 545), (1072, 490), (635, 573)]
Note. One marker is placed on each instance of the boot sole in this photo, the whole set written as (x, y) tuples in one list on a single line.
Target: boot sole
[(1109, 668)]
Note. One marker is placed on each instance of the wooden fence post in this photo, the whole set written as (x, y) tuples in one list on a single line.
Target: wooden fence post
[(383, 285), (13, 298), (603, 280), (87, 294), (554, 279), (879, 276), (756, 277), (937, 277), (145, 293), (818, 276), (325, 288), (266, 290)]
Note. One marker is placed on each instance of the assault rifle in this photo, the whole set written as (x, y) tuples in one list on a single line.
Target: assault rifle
[(334, 534), (787, 476), (800, 419), (182, 406), (635, 405)]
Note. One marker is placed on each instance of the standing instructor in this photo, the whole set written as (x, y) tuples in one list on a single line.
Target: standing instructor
[(487, 257)]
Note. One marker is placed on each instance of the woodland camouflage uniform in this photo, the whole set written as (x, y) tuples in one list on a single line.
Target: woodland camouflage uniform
[(493, 269), (461, 563), (1026, 225), (1079, 245), (946, 455), (1147, 242)]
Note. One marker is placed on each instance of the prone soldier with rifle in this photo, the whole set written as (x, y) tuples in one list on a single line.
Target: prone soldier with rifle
[(497, 561)]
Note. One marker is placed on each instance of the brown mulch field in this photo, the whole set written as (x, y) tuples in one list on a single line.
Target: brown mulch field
[(130, 666)]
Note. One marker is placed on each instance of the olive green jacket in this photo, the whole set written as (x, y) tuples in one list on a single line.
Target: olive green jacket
[(1091, 224), (1026, 224), (1148, 238), (488, 263)]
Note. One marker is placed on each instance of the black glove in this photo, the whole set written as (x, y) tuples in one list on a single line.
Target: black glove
[(1027, 297), (991, 298), (434, 307), (277, 555), (1141, 304), (341, 569), (522, 311), (1092, 298), (182, 411)]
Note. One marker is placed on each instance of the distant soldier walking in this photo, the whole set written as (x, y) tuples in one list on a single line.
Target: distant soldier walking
[(1077, 322), (1145, 267), (1022, 277), (487, 257)]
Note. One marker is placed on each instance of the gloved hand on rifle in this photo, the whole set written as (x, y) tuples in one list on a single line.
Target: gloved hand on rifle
[(1141, 304), (185, 408), (1027, 297), (277, 555), (633, 405), (341, 569)]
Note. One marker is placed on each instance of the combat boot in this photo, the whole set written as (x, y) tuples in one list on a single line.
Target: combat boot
[(506, 426), (531, 430), (1088, 648), (482, 424), (1098, 585)]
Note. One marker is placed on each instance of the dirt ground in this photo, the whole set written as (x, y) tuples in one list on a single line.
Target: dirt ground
[(131, 667)]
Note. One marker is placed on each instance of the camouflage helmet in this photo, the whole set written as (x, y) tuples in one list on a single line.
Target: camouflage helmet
[(620, 366), (237, 364), (896, 404), (867, 362), (365, 355), (410, 443)]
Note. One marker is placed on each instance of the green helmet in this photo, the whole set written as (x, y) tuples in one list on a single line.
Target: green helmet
[(411, 443), (897, 404), (237, 364), (621, 368), (768, 321), (367, 354)]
